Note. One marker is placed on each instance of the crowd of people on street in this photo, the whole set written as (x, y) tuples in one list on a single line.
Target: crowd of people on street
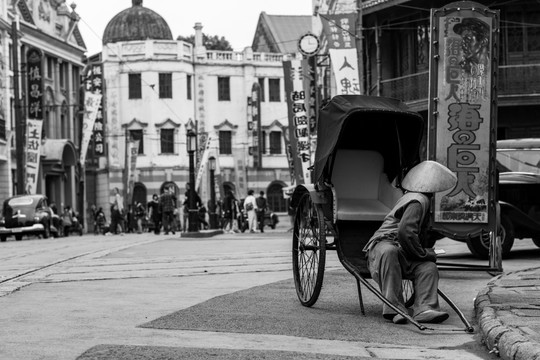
[(164, 213)]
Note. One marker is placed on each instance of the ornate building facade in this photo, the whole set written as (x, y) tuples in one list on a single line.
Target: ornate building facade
[(50, 58), (156, 88)]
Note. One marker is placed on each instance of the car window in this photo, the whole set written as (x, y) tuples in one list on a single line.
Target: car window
[(520, 160), (23, 201)]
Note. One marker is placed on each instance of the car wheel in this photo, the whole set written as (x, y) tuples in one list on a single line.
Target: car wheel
[(479, 246), (18, 237), (2, 238), (536, 241)]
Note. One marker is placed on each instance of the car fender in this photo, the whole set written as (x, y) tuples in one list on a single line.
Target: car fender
[(518, 217)]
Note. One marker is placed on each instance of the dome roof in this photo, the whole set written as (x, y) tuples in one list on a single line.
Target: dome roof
[(136, 23)]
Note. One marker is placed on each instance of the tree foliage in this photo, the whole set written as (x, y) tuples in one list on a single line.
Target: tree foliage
[(214, 42)]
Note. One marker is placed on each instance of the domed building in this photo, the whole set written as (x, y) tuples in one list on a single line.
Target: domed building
[(136, 23), (155, 88)]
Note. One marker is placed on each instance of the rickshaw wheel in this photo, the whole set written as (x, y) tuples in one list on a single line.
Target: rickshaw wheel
[(408, 292), (309, 251)]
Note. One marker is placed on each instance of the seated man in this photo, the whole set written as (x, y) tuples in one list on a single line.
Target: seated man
[(400, 248)]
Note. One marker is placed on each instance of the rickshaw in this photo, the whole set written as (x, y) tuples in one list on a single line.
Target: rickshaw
[(365, 146)]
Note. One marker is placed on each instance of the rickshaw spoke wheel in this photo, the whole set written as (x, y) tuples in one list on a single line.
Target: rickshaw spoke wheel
[(408, 292), (309, 251)]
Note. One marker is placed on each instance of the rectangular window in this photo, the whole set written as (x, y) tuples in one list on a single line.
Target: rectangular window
[(225, 142), (263, 142), (224, 88), (135, 91), (10, 57), (61, 74), (188, 87), (275, 142), (138, 135), (167, 141), (261, 85), (165, 86), (273, 88), (50, 65)]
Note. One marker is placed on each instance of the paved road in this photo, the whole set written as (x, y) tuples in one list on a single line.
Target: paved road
[(60, 297)]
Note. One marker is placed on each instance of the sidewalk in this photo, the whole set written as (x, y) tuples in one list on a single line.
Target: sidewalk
[(508, 314)]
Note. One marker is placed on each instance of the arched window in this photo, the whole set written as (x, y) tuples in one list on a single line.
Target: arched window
[(139, 193), (274, 196)]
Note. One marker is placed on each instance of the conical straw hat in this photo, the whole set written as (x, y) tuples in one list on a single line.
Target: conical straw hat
[(429, 177)]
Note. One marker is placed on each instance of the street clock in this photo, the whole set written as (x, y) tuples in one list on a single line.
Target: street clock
[(308, 44)]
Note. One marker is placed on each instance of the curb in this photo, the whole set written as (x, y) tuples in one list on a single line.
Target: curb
[(507, 342)]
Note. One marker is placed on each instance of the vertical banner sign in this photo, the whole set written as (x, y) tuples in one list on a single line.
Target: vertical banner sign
[(462, 114), (93, 83), (34, 122), (91, 107), (298, 120), (288, 150), (310, 88), (131, 162), (204, 161), (33, 152), (339, 30), (256, 125), (35, 84)]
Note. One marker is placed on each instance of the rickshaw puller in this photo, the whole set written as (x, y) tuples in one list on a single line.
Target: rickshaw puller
[(401, 248)]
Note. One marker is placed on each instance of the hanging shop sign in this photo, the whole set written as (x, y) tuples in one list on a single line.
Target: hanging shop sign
[(93, 83), (298, 119)]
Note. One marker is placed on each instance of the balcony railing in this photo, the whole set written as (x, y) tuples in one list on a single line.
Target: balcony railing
[(513, 80)]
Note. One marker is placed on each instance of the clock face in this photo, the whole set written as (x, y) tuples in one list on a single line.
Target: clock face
[(308, 44)]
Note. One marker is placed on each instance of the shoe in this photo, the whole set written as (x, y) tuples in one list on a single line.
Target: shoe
[(431, 316), (251, 231), (399, 319), (173, 233)]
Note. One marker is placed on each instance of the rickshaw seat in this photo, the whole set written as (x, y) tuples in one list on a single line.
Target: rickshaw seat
[(362, 188)]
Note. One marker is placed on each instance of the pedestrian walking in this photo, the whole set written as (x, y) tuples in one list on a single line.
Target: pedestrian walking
[(119, 215), (154, 213), (229, 212), (402, 248), (116, 221), (140, 215), (262, 206), (100, 221), (167, 202), (250, 206)]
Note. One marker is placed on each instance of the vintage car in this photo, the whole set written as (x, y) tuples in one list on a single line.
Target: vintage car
[(518, 165), (27, 215)]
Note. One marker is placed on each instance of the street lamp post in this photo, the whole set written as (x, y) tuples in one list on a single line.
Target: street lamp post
[(193, 211), (212, 205)]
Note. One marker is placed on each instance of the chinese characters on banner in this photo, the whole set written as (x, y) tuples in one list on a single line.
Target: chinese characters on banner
[(310, 86), (298, 119), (93, 83), (34, 122), (255, 125), (92, 103), (201, 168), (33, 152), (131, 161), (464, 108), (339, 30)]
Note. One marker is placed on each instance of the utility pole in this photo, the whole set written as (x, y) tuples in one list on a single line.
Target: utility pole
[(360, 45), (19, 121)]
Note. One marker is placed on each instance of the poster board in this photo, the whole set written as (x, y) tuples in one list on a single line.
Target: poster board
[(462, 113)]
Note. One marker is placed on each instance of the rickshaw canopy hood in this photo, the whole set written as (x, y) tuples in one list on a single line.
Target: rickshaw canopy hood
[(371, 123)]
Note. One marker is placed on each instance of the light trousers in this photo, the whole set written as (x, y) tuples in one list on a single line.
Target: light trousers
[(388, 265)]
